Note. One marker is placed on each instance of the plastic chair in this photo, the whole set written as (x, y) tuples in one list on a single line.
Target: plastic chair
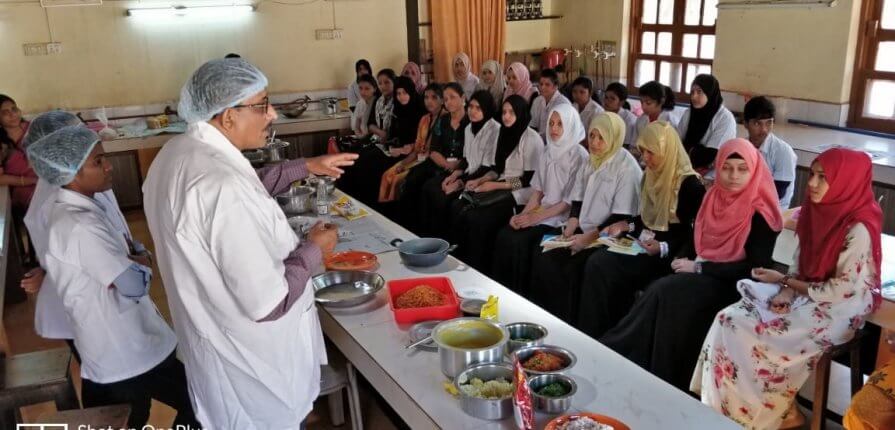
[(333, 380)]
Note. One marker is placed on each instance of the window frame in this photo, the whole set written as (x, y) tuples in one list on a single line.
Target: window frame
[(677, 29), (870, 34)]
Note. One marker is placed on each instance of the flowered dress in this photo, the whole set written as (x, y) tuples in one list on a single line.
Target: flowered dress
[(751, 369)]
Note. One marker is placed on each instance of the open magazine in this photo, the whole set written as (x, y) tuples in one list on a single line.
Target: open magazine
[(620, 245)]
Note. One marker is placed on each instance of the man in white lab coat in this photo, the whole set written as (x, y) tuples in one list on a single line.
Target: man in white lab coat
[(235, 273), (50, 318)]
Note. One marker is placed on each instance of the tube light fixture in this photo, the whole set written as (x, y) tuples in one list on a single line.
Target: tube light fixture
[(193, 11)]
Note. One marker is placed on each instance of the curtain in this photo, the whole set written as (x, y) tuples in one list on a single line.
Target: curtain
[(476, 27)]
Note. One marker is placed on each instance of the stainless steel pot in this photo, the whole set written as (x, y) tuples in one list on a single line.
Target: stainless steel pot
[(533, 335), (330, 105), (297, 200), (488, 409), (276, 151), (463, 342)]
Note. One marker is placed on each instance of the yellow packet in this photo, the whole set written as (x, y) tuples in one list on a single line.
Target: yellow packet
[(348, 210), (451, 389), (489, 309)]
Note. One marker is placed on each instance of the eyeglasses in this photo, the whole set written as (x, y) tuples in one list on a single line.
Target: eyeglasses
[(263, 106)]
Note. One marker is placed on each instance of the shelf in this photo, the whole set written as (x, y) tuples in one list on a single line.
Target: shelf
[(536, 19)]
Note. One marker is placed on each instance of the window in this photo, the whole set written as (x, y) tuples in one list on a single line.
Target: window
[(873, 89), (672, 41)]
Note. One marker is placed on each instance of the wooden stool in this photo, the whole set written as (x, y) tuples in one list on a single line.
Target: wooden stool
[(101, 417), (822, 377), (32, 378)]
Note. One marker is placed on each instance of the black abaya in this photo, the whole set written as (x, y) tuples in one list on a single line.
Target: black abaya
[(513, 253), (474, 230), (556, 281)]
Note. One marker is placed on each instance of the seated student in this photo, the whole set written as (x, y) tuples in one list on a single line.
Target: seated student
[(383, 109), (758, 117), (735, 230), (497, 193), (753, 362), (361, 68), (582, 98), (393, 178), (479, 144), (492, 81), (544, 103), (706, 124), (445, 151), (413, 71), (406, 114), (615, 99), (657, 102), (606, 191), (363, 110), (548, 207), (519, 83), (873, 407), (669, 200), (126, 348), (463, 74)]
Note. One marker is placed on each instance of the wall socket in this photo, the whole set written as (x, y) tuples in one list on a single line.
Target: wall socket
[(33, 49), (328, 33)]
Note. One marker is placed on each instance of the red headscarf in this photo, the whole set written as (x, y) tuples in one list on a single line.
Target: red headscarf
[(725, 217), (849, 200)]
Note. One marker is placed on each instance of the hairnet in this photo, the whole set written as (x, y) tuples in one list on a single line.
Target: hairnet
[(57, 157), (217, 85), (47, 123)]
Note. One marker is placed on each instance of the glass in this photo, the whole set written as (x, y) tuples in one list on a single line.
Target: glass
[(670, 74), (885, 57), (880, 100), (707, 47), (709, 12), (663, 43), (888, 19), (691, 45), (649, 11), (263, 106), (666, 11), (648, 43), (691, 12), (644, 71)]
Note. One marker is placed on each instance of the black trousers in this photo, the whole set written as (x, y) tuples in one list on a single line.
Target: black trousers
[(474, 230), (609, 286), (666, 328), (434, 209), (165, 382), (409, 205), (513, 253), (556, 281)]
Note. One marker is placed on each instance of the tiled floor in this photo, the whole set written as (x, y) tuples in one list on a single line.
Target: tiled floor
[(19, 322)]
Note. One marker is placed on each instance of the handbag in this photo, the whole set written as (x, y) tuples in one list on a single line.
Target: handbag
[(488, 198)]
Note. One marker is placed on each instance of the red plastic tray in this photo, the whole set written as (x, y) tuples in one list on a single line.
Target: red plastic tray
[(409, 316)]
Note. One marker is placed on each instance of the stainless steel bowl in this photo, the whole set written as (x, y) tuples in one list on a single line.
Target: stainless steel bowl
[(276, 151), (295, 111), (341, 289), (535, 333), (463, 342), (552, 405), (487, 409), (329, 181), (297, 200), (567, 356)]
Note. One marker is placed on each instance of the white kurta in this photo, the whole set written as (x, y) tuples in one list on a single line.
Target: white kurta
[(117, 337), (631, 123), (220, 243), (613, 189), (722, 128), (782, 160), (556, 179), (589, 112), (360, 118), (539, 110), (479, 148), (353, 94), (526, 157), (750, 368), (50, 318)]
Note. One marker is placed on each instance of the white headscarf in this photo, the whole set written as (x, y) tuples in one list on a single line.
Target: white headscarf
[(497, 88), (559, 165), (572, 132)]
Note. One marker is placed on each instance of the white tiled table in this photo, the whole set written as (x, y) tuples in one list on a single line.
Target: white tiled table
[(412, 382)]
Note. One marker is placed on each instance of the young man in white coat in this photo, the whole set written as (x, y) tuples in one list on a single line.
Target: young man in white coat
[(126, 348), (235, 273)]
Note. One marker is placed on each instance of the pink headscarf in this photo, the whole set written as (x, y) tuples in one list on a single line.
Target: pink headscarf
[(413, 71), (523, 82), (725, 217)]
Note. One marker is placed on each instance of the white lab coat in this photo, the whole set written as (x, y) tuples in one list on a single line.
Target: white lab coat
[(117, 337), (590, 111), (479, 148), (782, 160), (670, 116), (722, 128), (220, 244), (613, 189), (539, 110), (50, 318), (526, 156)]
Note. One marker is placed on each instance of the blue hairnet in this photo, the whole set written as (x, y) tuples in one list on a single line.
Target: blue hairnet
[(217, 85), (57, 157), (47, 123)]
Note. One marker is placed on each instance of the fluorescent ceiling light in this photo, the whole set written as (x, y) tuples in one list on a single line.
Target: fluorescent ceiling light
[(192, 11)]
